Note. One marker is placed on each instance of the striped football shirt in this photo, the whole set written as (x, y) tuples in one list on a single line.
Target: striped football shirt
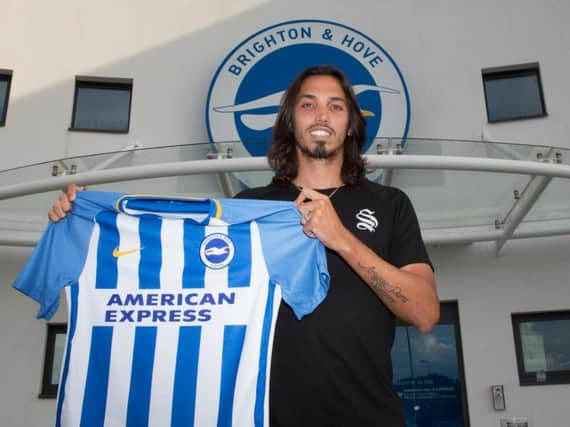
[(172, 305)]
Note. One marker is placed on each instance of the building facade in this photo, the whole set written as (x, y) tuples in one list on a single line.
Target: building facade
[(162, 61)]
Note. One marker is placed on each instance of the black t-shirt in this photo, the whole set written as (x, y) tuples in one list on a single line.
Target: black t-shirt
[(333, 367)]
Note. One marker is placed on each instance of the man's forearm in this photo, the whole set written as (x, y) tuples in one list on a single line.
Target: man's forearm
[(381, 288), (409, 292)]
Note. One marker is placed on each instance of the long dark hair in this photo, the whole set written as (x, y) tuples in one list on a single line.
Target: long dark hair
[(282, 155)]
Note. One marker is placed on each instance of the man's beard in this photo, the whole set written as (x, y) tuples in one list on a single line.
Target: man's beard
[(318, 153)]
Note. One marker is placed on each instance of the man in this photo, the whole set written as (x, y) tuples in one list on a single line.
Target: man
[(333, 367)]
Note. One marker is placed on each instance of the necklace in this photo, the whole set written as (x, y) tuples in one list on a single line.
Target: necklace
[(300, 188)]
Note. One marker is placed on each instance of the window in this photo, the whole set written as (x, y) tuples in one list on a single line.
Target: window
[(542, 344), (55, 345), (102, 104), (513, 92), (428, 372), (5, 80)]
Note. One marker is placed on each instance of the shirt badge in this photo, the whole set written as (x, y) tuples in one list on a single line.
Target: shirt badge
[(366, 220)]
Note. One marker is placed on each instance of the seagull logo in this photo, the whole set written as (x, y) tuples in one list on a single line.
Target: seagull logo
[(217, 251), (248, 86), (263, 121)]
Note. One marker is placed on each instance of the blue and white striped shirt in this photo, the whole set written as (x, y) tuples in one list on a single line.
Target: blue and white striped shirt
[(172, 305)]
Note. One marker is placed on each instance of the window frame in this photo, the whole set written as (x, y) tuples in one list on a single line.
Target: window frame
[(49, 389), (528, 378), (103, 83), (5, 75), (513, 71)]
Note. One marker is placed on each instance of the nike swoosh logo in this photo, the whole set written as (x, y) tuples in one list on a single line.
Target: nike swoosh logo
[(117, 253)]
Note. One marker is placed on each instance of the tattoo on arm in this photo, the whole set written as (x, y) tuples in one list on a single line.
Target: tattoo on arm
[(381, 288)]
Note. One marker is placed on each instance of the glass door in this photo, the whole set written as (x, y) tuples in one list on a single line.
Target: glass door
[(428, 372)]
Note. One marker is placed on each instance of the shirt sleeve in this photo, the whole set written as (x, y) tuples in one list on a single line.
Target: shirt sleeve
[(407, 245), (296, 263), (59, 257)]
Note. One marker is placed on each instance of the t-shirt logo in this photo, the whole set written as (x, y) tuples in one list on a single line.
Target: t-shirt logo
[(117, 253), (217, 251), (366, 220)]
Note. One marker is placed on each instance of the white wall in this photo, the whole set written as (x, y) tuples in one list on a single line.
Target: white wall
[(22, 350), (528, 275), (172, 50)]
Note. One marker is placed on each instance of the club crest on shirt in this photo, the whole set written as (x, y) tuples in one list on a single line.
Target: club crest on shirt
[(366, 220), (217, 251), (246, 90)]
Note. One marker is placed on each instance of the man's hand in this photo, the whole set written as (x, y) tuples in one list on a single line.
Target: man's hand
[(320, 220), (63, 204)]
